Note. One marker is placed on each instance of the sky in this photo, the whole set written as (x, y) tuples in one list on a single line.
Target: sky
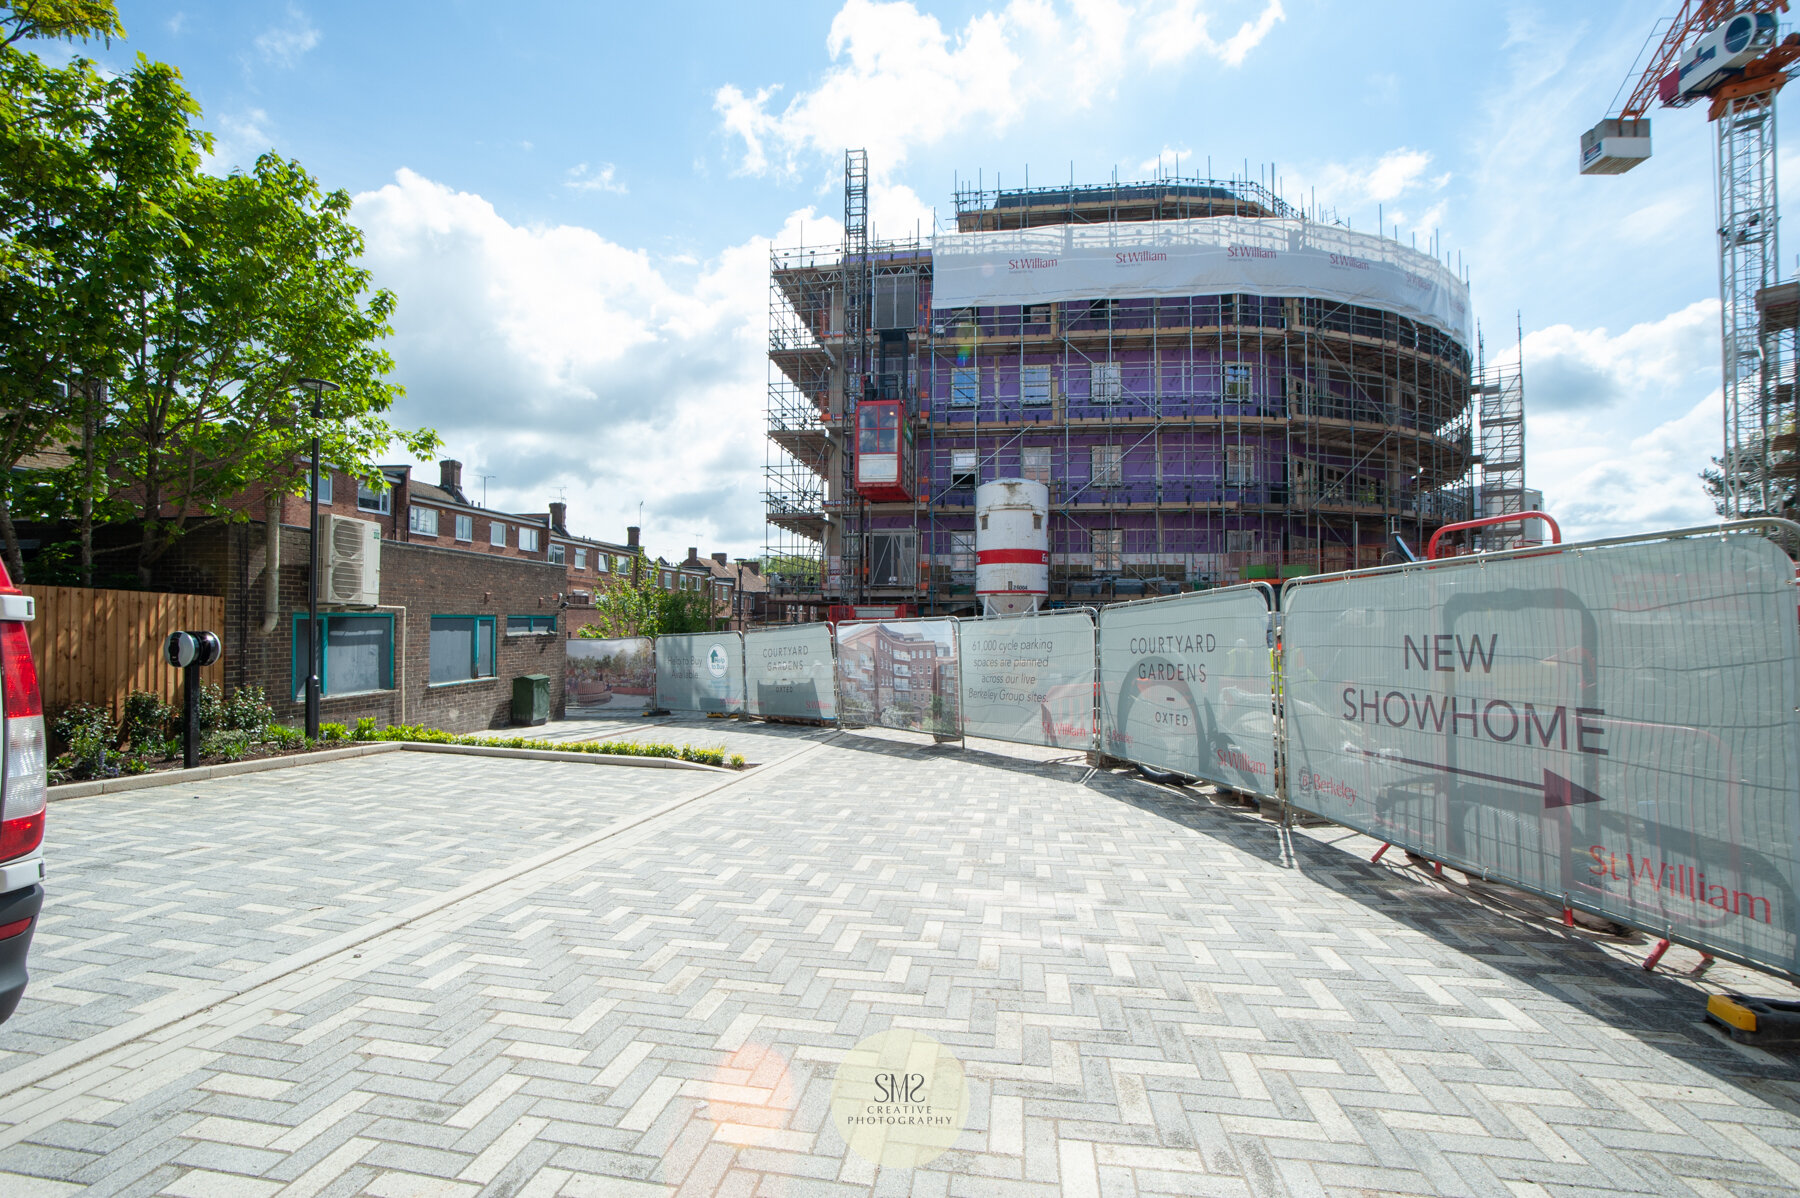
[(574, 202)]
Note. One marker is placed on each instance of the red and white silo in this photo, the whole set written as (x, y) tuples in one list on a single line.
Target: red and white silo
[(1012, 545)]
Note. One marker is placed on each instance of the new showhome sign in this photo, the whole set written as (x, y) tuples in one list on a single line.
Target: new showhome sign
[(1616, 725)]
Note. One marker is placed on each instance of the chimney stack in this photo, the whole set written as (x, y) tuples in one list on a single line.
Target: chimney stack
[(631, 536), (450, 476), (720, 558), (693, 554), (559, 517), (755, 567)]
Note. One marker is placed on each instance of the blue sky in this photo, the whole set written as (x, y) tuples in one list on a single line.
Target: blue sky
[(574, 202)]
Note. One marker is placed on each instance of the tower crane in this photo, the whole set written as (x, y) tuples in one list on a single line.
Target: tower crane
[(1732, 56)]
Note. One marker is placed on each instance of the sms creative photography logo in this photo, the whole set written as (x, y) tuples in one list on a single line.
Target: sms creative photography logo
[(899, 1099)]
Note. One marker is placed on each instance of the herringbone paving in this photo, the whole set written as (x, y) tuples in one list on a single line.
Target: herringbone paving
[(1149, 995)]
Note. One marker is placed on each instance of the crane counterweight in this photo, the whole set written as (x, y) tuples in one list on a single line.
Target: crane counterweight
[(1615, 145)]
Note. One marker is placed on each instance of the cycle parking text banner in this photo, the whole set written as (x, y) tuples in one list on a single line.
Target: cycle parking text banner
[(701, 671), (789, 673), (1612, 725), (1029, 678), (1185, 686)]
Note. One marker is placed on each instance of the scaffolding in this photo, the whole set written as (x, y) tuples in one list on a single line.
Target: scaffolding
[(1500, 395), (1186, 442)]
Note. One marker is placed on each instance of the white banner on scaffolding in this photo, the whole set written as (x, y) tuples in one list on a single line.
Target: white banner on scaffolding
[(1219, 255), (1614, 725)]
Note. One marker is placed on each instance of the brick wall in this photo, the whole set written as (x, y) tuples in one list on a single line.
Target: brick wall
[(421, 579)]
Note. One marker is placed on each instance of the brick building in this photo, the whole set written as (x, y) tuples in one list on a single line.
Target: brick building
[(465, 599)]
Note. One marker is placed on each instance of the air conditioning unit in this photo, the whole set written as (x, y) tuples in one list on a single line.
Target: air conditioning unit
[(352, 562)]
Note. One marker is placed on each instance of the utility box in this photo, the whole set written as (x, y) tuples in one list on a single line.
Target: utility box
[(531, 699)]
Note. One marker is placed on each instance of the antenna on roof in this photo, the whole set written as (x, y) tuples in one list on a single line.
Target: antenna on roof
[(484, 478)]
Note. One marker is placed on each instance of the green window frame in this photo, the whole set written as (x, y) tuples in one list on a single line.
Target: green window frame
[(445, 666), (347, 625), (538, 625)]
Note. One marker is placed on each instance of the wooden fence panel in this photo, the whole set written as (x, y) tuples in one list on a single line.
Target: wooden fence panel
[(95, 646)]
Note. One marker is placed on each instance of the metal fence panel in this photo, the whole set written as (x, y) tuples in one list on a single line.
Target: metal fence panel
[(702, 671), (789, 672), (1612, 725), (1185, 685), (1029, 678), (898, 674), (605, 676)]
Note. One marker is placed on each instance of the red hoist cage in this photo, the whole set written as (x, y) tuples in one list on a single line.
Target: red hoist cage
[(884, 451)]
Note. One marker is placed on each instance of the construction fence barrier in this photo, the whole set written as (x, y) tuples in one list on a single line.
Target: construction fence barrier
[(702, 671), (608, 675), (899, 674), (1028, 678), (1612, 725), (789, 673), (1186, 686)]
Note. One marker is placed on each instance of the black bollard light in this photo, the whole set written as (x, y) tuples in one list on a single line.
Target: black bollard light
[(191, 651)]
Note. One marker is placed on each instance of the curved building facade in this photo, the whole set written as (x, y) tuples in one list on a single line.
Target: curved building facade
[(1211, 388)]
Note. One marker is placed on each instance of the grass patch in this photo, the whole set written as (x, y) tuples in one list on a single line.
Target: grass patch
[(419, 734)]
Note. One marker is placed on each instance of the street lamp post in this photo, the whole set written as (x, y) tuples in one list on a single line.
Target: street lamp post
[(314, 649)]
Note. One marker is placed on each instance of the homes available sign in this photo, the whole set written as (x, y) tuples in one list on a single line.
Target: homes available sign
[(700, 672)]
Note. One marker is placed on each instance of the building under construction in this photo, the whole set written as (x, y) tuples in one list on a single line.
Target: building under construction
[(1213, 386)]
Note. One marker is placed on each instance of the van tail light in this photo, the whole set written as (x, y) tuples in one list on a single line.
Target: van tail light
[(22, 796)]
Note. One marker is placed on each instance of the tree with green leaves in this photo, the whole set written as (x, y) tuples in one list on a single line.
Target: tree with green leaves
[(263, 288), (635, 605), (159, 318), (1774, 479), (89, 166)]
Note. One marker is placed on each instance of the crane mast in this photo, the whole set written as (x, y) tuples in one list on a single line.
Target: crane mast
[(1730, 55)]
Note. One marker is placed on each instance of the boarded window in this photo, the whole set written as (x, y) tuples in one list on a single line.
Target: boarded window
[(962, 551), (462, 648), (1108, 382), (1108, 465), (1240, 464), (1108, 548), (1035, 465)]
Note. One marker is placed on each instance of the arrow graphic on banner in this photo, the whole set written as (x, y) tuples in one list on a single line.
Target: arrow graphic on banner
[(1558, 791)]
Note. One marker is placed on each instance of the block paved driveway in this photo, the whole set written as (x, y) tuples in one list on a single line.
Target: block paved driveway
[(532, 978)]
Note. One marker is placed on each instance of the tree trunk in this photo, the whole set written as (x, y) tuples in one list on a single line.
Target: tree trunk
[(15, 560), (89, 432)]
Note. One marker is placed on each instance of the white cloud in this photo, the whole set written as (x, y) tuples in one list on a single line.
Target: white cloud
[(552, 357), (1618, 427), (284, 44), (1168, 162), (1388, 185), (239, 138), (582, 178), (1177, 30), (899, 79)]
